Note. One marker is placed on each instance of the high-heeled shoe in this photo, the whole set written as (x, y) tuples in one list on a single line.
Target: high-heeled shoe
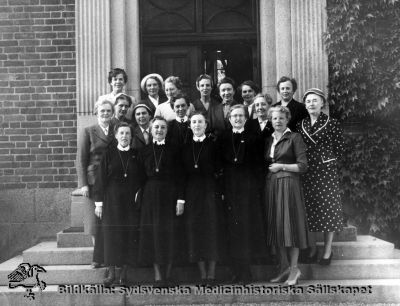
[(293, 278), (281, 276), (109, 280), (325, 261)]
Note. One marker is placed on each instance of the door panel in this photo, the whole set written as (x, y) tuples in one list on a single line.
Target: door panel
[(186, 38), (181, 61)]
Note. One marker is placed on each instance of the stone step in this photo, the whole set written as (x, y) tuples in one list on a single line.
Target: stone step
[(338, 270), (47, 253), (307, 293), (73, 237), (77, 210), (366, 247), (349, 233)]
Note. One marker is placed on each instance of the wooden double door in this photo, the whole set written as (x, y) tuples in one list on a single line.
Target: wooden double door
[(186, 38)]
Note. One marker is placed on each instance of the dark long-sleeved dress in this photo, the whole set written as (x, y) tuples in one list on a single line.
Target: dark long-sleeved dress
[(118, 181), (286, 215), (324, 142), (241, 156), (202, 210), (179, 133), (297, 111), (158, 209), (253, 127)]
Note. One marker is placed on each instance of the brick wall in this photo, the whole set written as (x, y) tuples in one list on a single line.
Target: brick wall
[(37, 94), (38, 120)]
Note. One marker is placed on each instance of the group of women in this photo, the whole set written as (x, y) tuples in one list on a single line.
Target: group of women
[(214, 181)]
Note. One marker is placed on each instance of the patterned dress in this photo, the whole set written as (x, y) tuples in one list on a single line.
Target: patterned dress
[(324, 142)]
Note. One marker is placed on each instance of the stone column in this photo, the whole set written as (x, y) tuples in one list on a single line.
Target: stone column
[(309, 58), (107, 34), (125, 38), (283, 38), (118, 34), (292, 44), (133, 48), (267, 47), (92, 52)]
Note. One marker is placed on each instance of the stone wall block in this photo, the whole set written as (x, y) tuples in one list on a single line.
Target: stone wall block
[(17, 206), (52, 205)]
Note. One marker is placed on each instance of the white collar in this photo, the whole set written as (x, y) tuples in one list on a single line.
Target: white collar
[(119, 147), (262, 121), (162, 142), (199, 139), (238, 131), (286, 131), (180, 119), (153, 99)]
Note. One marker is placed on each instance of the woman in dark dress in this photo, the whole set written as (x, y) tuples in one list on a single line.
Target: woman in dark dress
[(241, 155), (159, 201), (286, 88), (324, 139), (248, 90), (286, 217), (119, 179), (204, 85), (201, 166), (179, 132)]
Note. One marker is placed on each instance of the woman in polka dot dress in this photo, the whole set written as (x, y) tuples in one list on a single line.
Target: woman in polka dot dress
[(324, 139)]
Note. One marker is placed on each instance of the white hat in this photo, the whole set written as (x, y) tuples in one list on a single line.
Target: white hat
[(142, 105), (144, 80)]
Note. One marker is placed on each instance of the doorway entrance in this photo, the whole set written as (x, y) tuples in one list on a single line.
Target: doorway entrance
[(186, 38)]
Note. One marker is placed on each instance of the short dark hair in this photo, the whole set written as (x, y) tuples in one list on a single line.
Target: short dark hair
[(226, 80), (205, 77), (251, 84), (122, 124), (160, 118), (114, 72), (181, 95), (286, 79), (125, 98)]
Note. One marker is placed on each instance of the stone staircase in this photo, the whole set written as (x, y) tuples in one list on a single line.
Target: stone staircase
[(364, 270)]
